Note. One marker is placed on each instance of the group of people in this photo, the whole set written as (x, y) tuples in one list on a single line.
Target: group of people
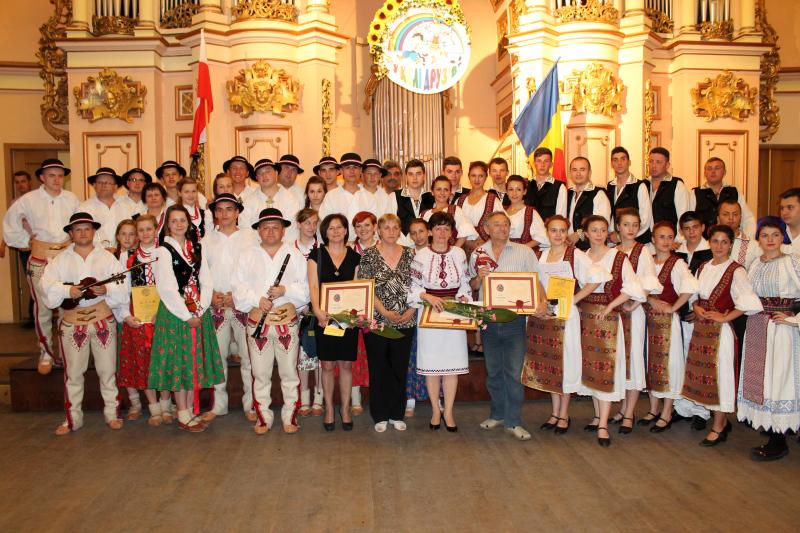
[(666, 282)]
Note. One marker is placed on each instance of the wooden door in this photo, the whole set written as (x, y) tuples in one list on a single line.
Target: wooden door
[(778, 170), (26, 157)]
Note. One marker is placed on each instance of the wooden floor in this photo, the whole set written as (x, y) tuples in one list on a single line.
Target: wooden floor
[(229, 479)]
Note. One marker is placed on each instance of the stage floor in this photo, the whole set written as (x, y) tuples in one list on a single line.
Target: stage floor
[(229, 479)]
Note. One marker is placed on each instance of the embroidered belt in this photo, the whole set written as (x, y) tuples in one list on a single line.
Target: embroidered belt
[(278, 316), (87, 315), (47, 250), (442, 293)]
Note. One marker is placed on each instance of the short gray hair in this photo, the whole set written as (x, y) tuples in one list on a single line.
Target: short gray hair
[(496, 213)]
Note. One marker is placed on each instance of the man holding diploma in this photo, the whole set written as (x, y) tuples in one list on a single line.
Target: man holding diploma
[(271, 279), (504, 344)]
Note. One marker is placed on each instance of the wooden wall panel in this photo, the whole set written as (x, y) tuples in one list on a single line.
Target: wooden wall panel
[(594, 143), (118, 150), (259, 142), (730, 146)]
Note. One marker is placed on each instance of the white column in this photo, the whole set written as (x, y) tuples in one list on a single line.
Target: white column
[(685, 16), (633, 7), (317, 6), (214, 6), (149, 13), (747, 10)]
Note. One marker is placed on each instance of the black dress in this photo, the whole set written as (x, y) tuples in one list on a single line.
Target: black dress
[(330, 348)]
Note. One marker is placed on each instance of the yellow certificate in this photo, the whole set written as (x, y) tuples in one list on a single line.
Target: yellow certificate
[(563, 290), (348, 296), (430, 318), (517, 291), (145, 302)]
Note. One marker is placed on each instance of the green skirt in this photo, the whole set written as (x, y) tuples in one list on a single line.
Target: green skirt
[(171, 364)]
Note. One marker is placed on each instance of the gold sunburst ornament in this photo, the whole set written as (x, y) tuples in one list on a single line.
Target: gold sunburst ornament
[(421, 45)]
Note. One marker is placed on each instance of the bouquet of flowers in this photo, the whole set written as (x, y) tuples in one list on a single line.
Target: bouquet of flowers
[(367, 325), (482, 315)]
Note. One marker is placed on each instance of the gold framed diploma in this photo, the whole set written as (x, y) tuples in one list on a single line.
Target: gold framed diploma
[(561, 289), (517, 291), (145, 302), (430, 318), (348, 296)]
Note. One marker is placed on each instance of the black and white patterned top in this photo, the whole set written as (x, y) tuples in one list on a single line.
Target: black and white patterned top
[(391, 285)]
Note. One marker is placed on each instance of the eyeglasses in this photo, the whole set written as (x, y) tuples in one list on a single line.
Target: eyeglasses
[(136, 180)]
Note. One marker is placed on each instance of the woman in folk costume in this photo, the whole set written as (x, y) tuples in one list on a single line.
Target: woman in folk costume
[(632, 313), (155, 201), (202, 219), (185, 353), (724, 294), (136, 339), (553, 358), (478, 204), (416, 390), (665, 357), (125, 236), (440, 271), (769, 387), (526, 225), (440, 188), (307, 360), (365, 225), (602, 334)]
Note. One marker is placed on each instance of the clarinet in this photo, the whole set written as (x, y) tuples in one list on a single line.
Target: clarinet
[(260, 326)]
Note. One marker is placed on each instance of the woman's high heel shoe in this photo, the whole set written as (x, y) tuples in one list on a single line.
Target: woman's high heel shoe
[(347, 426), (558, 430), (647, 421), (661, 429), (451, 429), (625, 430), (547, 425), (592, 427), (329, 426), (615, 420)]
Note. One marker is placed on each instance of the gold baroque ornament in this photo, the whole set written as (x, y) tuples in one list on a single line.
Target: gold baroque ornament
[(109, 95), (112, 25), (725, 96), (53, 65), (179, 17), (597, 91), (721, 29), (590, 11), (264, 9), (327, 117), (649, 113), (262, 88), (661, 22), (769, 118), (516, 9)]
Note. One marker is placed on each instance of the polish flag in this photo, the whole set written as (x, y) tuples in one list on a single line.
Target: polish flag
[(204, 103)]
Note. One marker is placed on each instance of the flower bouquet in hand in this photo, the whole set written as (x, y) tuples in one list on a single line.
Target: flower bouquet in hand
[(367, 325), (482, 315)]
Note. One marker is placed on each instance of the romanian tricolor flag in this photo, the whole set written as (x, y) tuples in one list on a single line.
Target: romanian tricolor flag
[(539, 124)]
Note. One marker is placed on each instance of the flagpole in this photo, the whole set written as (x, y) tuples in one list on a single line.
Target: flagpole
[(505, 136)]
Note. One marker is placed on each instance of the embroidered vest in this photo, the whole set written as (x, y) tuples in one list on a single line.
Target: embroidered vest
[(488, 209), (665, 278), (708, 203), (526, 237), (184, 273), (720, 298), (629, 197), (544, 199), (664, 201)]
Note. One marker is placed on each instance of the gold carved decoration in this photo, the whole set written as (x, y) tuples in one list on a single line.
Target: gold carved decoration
[(725, 96), (720, 29), (112, 25), (447, 100), (327, 117), (371, 87), (649, 114), (502, 35), (661, 22), (109, 95), (589, 11), (197, 168), (262, 88), (179, 16), (597, 91), (530, 84), (53, 65), (516, 8), (264, 9), (769, 119)]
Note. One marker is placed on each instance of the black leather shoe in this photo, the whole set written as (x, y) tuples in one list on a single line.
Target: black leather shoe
[(451, 429), (615, 420), (625, 430), (559, 430), (698, 423), (661, 429), (329, 426), (347, 426), (722, 436), (591, 427), (433, 426), (679, 418), (547, 425), (773, 450), (605, 442), (647, 421)]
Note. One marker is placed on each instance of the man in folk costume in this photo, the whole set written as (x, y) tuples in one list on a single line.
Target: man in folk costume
[(410, 201), (340, 199), (667, 192), (269, 193), (707, 198), (790, 214), (223, 244), (584, 199), (453, 170), (36, 221), (745, 249), (328, 170), (240, 171), (290, 168), (627, 191), (101, 206), (89, 328), (545, 193), (271, 283), (372, 197), (132, 202)]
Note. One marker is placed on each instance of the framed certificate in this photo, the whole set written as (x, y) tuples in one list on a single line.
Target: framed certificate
[(517, 291), (432, 319), (348, 296), (145, 302)]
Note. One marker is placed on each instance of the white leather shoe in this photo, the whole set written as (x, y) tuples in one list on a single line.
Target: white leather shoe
[(491, 423), (519, 433), (399, 425), (380, 427)]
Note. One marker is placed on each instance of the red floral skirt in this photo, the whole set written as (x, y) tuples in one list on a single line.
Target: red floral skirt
[(134, 356)]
